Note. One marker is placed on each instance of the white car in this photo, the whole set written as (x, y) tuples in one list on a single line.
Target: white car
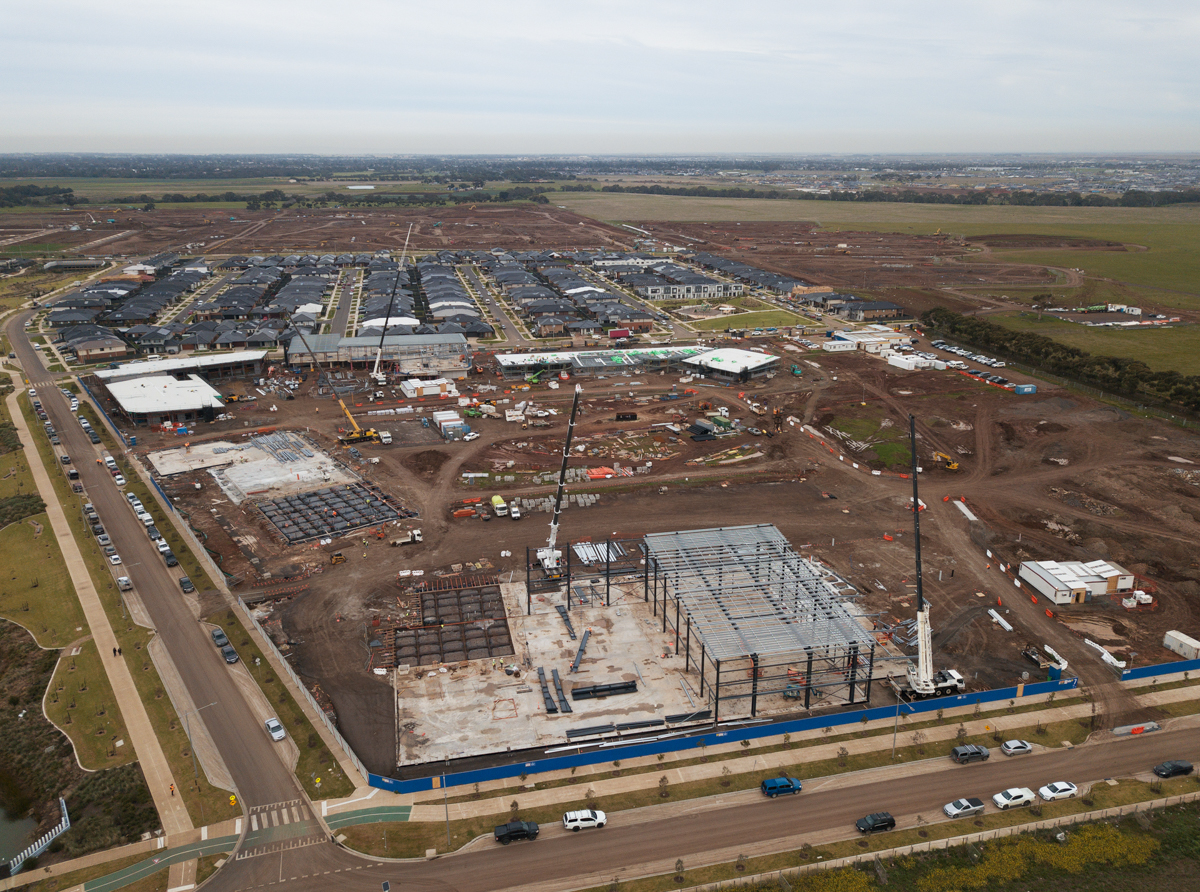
[(1013, 797), (471, 436), (963, 808), (275, 729), (114, 559), (1016, 747), (120, 480), (1058, 790), (578, 820)]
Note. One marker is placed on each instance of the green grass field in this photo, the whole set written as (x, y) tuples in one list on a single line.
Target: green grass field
[(765, 319), (1161, 349), (81, 702), (921, 218), (35, 589)]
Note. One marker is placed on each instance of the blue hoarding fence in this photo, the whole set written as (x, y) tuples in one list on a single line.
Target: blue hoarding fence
[(1161, 669), (714, 738)]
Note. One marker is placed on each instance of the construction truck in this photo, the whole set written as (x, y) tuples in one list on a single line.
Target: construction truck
[(385, 437), (920, 681), (357, 434), (499, 506), (409, 538), (948, 461)]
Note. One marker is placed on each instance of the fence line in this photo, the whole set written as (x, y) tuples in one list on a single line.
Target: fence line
[(42, 844), (715, 738), (300, 686), (949, 842)]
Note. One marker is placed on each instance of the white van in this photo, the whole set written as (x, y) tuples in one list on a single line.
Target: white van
[(514, 511)]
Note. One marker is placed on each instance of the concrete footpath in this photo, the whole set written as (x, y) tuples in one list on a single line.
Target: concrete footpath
[(172, 812)]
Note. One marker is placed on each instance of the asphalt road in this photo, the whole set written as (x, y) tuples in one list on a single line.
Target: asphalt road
[(570, 859), (257, 770)]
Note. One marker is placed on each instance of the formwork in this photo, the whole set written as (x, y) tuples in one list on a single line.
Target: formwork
[(450, 625), (330, 512), (764, 627)]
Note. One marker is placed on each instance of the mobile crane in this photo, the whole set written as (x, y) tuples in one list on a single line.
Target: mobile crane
[(377, 377), (357, 434), (550, 557), (920, 681)]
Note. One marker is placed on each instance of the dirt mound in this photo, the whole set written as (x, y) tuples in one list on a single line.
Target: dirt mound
[(426, 463)]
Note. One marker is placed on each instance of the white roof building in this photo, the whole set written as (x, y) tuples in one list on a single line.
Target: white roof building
[(1075, 582), (730, 362), (239, 362), (157, 398)]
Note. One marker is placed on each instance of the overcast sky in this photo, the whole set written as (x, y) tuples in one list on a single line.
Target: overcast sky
[(606, 76)]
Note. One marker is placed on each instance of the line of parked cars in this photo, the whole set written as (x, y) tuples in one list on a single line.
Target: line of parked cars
[(974, 357), (585, 819)]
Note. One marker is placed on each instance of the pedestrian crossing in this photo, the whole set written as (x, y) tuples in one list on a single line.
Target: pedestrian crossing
[(280, 826)]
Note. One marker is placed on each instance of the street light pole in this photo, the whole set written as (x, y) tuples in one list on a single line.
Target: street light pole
[(188, 731), (446, 803)]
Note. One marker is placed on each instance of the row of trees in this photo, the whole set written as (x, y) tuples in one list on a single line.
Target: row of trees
[(24, 195), (1130, 378), (1132, 198)]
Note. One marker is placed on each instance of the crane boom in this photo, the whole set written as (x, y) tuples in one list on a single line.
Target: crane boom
[(920, 677), (550, 557), (375, 375), (359, 434)]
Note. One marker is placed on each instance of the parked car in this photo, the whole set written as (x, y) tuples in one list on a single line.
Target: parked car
[(881, 820), (1058, 790), (66, 459), (586, 819), (473, 435), (220, 639), (104, 539), (275, 729), (963, 808), (230, 655), (506, 833), (1013, 797), (969, 752), (171, 560), (109, 549), (186, 585), (1016, 747), (774, 786), (119, 480), (1173, 768), (114, 559)]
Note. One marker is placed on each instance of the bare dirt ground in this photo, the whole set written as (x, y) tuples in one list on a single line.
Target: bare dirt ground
[(1049, 476), (309, 230)]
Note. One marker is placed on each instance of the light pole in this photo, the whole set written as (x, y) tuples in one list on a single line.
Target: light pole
[(446, 802), (895, 728), (188, 731)]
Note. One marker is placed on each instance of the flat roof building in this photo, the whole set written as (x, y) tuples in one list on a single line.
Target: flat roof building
[(1075, 582)]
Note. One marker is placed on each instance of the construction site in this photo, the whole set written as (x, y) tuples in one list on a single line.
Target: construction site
[(501, 564)]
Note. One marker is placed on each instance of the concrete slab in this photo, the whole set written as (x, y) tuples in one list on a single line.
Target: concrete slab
[(474, 707)]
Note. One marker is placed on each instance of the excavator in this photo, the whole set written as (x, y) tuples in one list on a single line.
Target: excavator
[(950, 463)]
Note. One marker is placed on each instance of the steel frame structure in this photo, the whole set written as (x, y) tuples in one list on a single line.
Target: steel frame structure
[(764, 620)]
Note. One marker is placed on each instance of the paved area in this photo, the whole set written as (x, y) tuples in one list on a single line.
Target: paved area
[(172, 812)]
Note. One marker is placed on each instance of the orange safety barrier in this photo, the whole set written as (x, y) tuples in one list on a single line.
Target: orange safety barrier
[(886, 536), (945, 498), (1033, 598), (1050, 613)]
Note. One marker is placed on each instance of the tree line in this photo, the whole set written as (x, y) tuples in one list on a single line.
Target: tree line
[(24, 195), (1130, 378), (1132, 198)]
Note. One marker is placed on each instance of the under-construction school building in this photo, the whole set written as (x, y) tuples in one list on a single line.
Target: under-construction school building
[(762, 626)]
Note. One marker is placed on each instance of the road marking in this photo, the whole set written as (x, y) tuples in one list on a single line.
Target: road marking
[(253, 823), (296, 813)]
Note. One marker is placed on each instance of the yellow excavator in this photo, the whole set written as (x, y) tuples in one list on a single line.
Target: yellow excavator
[(950, 463)]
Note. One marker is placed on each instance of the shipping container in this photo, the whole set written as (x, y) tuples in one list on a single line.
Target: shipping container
[(1184, 645), (1025, 388), (619, 333)]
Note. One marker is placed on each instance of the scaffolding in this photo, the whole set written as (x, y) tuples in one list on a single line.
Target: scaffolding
[(760, 624)]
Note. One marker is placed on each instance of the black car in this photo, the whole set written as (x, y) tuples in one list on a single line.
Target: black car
[(969, 752), (229, 653), (186, 585), (881, 820), (220, 639), (506, 833), (169, 557), (1173, 768)]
